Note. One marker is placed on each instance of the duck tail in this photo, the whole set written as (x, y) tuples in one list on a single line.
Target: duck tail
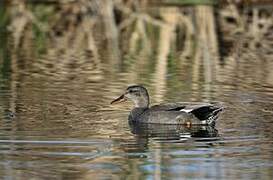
[(213, 116)]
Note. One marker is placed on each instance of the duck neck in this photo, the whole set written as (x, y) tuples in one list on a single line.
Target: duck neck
[(142, 102)]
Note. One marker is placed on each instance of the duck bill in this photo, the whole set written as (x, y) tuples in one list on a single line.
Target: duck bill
[(119, 99)]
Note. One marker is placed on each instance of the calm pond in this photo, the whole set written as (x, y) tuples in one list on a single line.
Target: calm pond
[(56, 121)]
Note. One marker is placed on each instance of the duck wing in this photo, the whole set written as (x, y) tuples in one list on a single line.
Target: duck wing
[(179, 106), (202, 111)]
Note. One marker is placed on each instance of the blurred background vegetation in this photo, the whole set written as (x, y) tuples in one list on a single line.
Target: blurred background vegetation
[(128, 34)]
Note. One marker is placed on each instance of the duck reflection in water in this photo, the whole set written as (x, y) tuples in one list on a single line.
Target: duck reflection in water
[(161, 133)]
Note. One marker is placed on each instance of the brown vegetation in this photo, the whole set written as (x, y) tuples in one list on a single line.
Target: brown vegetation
[(66, 35)]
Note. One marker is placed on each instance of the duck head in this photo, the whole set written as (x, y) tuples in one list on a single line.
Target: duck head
[(138, 94)]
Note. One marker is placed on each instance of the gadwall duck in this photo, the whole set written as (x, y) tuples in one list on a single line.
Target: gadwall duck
[(170, 113)]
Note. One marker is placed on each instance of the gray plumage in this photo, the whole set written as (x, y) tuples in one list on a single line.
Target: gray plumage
[(170, 113)]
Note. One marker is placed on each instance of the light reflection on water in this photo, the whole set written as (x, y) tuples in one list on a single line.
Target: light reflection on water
[(69, 130), (57, 123)]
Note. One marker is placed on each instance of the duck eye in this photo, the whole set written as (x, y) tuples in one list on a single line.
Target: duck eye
[(132, 91)]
